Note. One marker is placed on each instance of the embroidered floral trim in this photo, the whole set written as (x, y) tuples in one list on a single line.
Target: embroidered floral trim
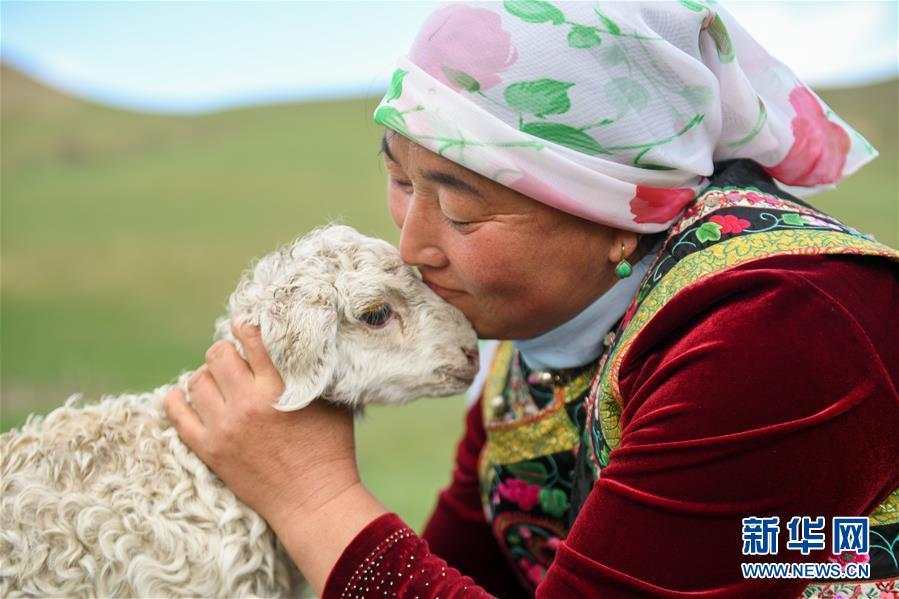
[(527, 494), (722, 213), (529, 543), (881, 589), (716, 198), (527, 465)]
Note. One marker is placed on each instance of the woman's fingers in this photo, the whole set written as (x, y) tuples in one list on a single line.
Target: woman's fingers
[(183, 417), (205, 395), (229, 371), (257, 355)]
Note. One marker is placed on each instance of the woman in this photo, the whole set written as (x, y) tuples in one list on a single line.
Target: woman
[(692, 345)]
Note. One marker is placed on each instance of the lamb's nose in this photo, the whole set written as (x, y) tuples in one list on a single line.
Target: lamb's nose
[(472, 355)]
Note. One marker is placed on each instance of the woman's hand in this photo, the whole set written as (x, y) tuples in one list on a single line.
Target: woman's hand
[(295, 469), (278, 463)]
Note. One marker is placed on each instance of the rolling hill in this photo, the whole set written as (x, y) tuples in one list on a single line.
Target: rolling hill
[(123, 234)]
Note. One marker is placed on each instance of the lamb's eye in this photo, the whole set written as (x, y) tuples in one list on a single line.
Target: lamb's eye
[(377, 316)]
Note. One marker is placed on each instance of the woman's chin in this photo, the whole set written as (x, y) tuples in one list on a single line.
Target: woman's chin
[(487, 324), (485, 329)]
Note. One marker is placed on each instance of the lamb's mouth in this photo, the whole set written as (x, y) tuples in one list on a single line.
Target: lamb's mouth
[(461, 375)]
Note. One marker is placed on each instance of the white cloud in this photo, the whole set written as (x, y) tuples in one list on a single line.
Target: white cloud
[(826, 43), (195, 56)]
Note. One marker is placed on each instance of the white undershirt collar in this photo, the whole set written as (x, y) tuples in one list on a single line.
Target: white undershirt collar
[(579, 340)]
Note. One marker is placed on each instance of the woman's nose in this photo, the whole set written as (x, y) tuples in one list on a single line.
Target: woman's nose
[(419, 241)]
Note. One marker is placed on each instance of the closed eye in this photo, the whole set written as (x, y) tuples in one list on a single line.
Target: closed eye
[(407, 185), (403, 184)]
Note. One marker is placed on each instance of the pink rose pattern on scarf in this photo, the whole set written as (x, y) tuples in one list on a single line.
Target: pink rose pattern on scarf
[(659, 205), (464, 47), (819, 151), (468, 49)]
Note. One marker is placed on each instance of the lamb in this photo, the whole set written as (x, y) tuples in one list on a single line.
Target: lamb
[(104, 499)]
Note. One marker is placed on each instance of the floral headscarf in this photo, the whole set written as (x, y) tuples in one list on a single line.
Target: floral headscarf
[(612, 111)]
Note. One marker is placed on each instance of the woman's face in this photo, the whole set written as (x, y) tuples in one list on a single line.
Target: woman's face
[(515, 267)]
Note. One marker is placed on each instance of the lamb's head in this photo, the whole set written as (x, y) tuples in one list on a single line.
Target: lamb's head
[(343, 318)]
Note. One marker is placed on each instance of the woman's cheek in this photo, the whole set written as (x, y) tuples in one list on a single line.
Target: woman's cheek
[(485, 267), (396, 203)]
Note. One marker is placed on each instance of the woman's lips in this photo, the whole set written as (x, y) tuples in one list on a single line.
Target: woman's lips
[(441, 291)]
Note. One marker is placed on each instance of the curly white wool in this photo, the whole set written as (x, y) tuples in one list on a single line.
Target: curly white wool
[(105, 500)]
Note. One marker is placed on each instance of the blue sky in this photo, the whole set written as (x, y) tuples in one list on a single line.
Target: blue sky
[(196, 56)]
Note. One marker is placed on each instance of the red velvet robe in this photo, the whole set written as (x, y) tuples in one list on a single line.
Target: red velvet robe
[(781, 376)]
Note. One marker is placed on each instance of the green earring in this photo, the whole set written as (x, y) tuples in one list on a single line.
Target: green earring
[(623, 269)]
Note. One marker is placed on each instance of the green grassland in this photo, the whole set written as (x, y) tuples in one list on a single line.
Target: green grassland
[(124, 233)]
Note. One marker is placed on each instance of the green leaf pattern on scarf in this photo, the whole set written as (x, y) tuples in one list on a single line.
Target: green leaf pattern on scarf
[(626, 94), (535, 11), (612, 56), (719, 33), (693, 5), (545, 97), (391, 117), (698, 96), (462, 79), (610, 25), (583, 37), (564, 135), (540, 97), (395, 90)]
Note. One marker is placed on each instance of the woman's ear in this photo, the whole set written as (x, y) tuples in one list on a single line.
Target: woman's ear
[(624, 243)]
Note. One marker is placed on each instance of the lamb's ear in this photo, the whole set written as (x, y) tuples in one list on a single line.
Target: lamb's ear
[(307, 354)]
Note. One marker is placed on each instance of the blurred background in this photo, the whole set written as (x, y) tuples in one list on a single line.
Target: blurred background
[(148, 151)]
